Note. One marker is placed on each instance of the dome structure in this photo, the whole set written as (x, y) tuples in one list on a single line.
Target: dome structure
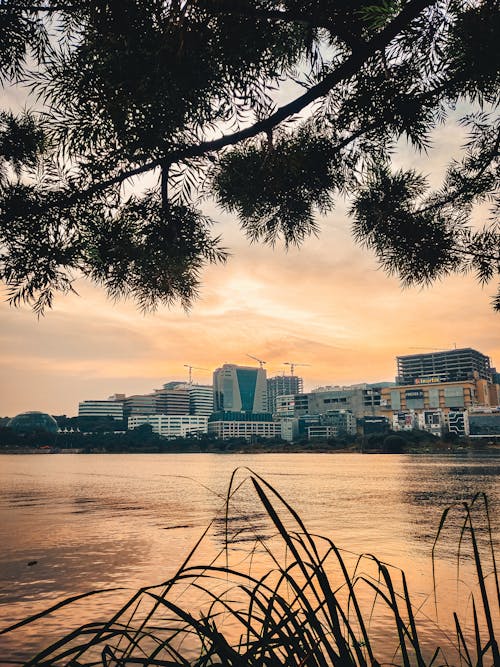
[(29, 422)]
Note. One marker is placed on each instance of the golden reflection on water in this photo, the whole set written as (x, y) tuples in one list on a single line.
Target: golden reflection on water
[(91, 522)]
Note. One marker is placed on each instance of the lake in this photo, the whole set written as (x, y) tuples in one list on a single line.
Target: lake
[(72, 523)]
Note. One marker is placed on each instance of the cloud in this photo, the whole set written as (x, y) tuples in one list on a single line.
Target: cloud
[(326, 305)]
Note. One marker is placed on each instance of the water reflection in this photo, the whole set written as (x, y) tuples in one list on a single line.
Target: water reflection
[(95, 522)]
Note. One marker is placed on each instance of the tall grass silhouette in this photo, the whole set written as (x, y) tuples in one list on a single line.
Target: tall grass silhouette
[(307, 607)]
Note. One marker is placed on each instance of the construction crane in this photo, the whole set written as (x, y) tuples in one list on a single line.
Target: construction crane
[(292, 365), (261, 362), (194, 368)]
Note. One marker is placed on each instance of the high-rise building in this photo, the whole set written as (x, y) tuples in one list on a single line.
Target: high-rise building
[(172, 399), (98, 408), (445, 366), (282, 385), (201, 399), (240, 388), (139, 404)]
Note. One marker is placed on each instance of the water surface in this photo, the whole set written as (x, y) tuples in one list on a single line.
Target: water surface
[(73, 523)]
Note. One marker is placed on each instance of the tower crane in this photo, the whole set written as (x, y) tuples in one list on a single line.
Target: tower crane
[(194, 368), (292, 365), (261, 362)]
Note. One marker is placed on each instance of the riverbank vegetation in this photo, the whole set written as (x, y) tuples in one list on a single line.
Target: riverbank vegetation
[(277, 594), (144, 440)]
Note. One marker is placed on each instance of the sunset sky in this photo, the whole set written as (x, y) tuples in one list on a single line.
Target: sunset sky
[(326, 305)]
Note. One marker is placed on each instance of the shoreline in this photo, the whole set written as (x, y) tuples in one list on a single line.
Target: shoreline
[(256, 449)]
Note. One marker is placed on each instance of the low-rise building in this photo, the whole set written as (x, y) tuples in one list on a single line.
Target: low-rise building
[(360, 400), (432, 421), (484, 423), (404, 421), (373, 425), (341, 422), (172, 426), (246, 425), (321, 432), (458, 422), (295, 428)]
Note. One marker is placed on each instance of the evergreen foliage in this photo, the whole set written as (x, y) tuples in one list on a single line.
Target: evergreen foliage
[(185, 90)]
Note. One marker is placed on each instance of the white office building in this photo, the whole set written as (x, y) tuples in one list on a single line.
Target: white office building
[(201, 399), (172, 426), (105, 408), (248, 429)]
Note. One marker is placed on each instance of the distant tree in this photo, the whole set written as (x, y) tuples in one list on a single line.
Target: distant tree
[(8, 437), (394, 444), (99, 424), (184, 90), (142, 435), (451, 438), (373, 441)]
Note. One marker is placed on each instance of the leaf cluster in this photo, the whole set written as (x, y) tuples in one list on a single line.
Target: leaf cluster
[(190, 90)]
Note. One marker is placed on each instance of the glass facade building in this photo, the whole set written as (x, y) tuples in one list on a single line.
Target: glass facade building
[(30, 422), (240, 388)]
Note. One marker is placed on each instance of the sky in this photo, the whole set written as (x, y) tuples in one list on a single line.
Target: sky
[(325, 305)]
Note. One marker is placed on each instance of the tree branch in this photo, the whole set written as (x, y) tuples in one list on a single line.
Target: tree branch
[(347, 69), (489, 157), (290, 16)]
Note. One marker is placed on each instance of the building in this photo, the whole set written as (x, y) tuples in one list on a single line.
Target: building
[(333, 424), (292, 405), (201, 399), (432, 421), (361, 400), (172, 426), (435, 421), (248, 425), (139, 404), (296, 428), (342, 422), (33, 422), (484, 423), (240, 388), (172, 399), (374, 425), (446, 396), (458, 422), (105, 408), (444, 366), (321, 432), (282, 385), (404, 421)]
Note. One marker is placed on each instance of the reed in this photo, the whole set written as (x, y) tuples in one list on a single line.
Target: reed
[(306, 608)]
